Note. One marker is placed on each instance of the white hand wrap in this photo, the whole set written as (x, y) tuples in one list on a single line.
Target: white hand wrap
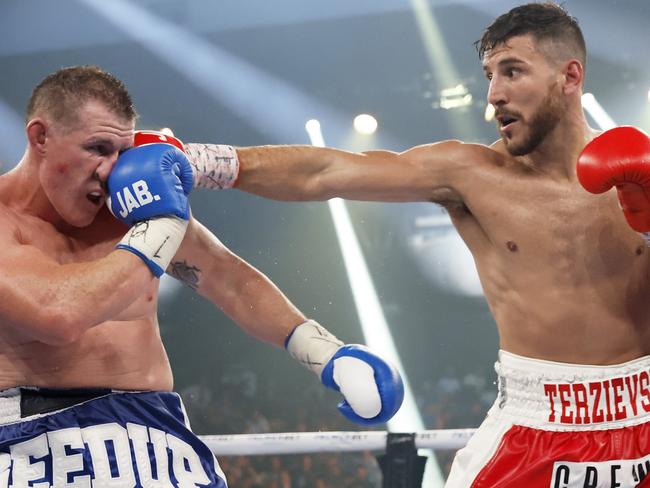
[(155, 241), (312, 345), (214, 166)]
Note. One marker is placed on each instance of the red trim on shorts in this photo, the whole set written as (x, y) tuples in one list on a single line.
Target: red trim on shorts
[(525, 456)]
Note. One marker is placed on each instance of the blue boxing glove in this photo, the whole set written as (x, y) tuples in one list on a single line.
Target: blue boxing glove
[(148, 189), (371, 387)]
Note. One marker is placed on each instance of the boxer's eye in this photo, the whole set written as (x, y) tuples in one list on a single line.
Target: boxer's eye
[(100, 149)]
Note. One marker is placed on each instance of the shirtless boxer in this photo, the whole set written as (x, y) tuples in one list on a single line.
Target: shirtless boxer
[(565, 277), (85, 381)]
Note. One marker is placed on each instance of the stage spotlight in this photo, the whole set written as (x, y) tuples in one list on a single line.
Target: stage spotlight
[(312, 125), (455, 97), (365, 124), (597, 112), (490, 112), (313, 129)]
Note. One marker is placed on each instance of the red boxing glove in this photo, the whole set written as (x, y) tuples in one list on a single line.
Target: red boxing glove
[(142, 137), (620, 157)]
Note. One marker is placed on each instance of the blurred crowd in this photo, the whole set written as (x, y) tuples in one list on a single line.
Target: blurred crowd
[(238, 404)]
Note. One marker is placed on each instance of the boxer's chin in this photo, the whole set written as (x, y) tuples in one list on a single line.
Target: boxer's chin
[(525, 137), (521, 144), (83, 217)]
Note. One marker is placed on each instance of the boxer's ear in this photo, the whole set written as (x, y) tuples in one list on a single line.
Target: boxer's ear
[(37, 131), (574, 74)]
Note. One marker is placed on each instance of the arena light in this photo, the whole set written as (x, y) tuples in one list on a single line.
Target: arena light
[(455, 97), (374, 326), (434, 240), (490, 112), (597, 112), (443, 71), (365, 124), (313, 130), (232, 81), (373, 323)]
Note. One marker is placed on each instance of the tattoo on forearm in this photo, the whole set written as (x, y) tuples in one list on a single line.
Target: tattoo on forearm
[(186, 273)]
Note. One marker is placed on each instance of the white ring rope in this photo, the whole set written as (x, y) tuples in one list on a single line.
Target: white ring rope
[(308, 442)]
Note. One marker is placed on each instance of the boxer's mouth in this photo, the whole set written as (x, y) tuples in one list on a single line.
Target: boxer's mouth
[(506, 120)]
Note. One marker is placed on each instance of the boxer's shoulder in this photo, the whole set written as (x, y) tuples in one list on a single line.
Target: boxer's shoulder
[(497, 153), (463, 155), (21, 228), (16, 225)]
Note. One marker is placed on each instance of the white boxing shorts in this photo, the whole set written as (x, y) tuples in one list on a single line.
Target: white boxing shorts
[(558, 425), (83, 438)]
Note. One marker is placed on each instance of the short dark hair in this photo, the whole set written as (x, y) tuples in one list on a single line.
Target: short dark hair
[(545, 21), (61, 94)]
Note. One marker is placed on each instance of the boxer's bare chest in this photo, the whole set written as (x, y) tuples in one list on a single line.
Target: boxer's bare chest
[(555, 224), (554, 260), (84, 246)]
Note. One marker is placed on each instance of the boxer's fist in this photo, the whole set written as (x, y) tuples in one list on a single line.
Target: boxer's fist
[(372, 389), (620, 157), (214, 166), (142, 137), (148, 188), (150, 181)]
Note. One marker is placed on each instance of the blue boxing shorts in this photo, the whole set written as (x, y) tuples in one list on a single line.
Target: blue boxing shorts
[(101, 438)]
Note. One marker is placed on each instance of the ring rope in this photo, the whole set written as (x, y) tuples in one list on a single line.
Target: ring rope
[(310, 442)]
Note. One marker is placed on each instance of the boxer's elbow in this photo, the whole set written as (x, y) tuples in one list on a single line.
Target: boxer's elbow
[(58, 325)]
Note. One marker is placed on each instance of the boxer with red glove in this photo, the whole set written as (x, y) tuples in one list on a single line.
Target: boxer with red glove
[(620, 157)]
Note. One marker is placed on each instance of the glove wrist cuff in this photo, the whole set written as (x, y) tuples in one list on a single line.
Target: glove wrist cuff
[(312, 345), (215, 166), (155, 241)]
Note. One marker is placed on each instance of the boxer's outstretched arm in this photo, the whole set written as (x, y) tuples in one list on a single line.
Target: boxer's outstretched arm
[(371, 387), (432, 172), (243, 293), (309, 173), (55, 303)]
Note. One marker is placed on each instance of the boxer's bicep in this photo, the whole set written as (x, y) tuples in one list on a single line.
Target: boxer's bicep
[(446, 171)]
